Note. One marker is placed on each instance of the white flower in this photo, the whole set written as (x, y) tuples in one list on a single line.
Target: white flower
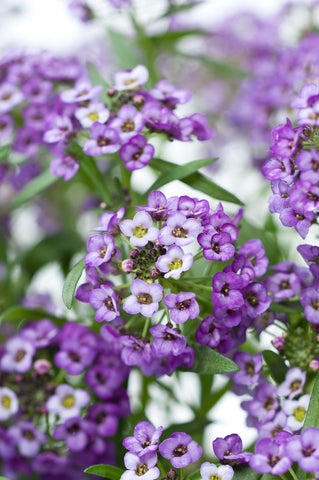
[(209, 470), (296, 411), (9, 404), (67, 401)]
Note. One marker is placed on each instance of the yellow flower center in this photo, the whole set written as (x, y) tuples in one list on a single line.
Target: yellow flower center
[(68, 401), (177, 263), (299, 414), (139, 231), (93, 116), (6, 401)]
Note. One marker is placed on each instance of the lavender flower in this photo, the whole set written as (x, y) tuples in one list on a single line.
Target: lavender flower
[(100, 248), (174, 262), (180, 449), (145, 439), (182, 306), (296, 411), (304, 449), (140, 467), (67, 401), (18, 355), (104, 300), (104, 139), (139, 229), (269, 458), (293, 383), (230, 449), (27, 438), (94, 112), (210, 470), (64, 166), (167, 340), (131, 79), (136, 153), (250, 366), (144, 298), (179, 230)]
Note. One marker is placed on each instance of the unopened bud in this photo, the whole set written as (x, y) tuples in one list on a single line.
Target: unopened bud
[(172, 474), (127, 265), (42, 366), (111, 91), (154, 273), (133, 253), (138, 100), (278, 343), (314, 365)]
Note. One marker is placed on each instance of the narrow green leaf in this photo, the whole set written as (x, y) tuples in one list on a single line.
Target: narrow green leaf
[(33, 188), (292, 306), (312, 417), (195, 475), (18, 313), (199, 182), (124, 49), (105, 471), (4, 478), (209, 362), (177, 35), (88, 166), (71, 282), (178, 9), (276, 364), (4, 152), (179, 172)]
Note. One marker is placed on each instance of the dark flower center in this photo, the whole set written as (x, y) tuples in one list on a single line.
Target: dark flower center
[(141, 469), (295, 385), (100, 378), (312, 196), (180, 451), (146, 444), (225, 290), (169, 336), (102, 252), (73, 429), (183, 305), (109, 304), (103, 142), (275, 430), (307, 452), (6, 96), (284, 285), (269, 403), (137, 154), (179, 232), (28, 434), (20, 355), (128, 126), (252, 299), (215, 247), (144, 299), (82, 93), (74, 356), (2, 125), (250, 368), (314, 164), (315, 304), (272, 461), (299, 216)]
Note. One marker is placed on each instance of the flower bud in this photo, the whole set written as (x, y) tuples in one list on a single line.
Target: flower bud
[(111, 91), (278, 343), (127, 265), (133, 253), (314, 365), (42, 366)]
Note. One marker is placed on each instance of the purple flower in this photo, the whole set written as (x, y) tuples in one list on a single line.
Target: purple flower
[(140, 467), (28, 438), (139, 229), (136, 153), (216, 246), (145, 439), (104, 139), (10, 97), (6, 126), (182, 306), (128, 122), (37, 90), (180, 449), (293, 383), (299, 219), (166, 92), (214, 334), (304, 449), (64, 166), (210, 471), (76, 432), (257, 300), (105, 419), (179, 230), (82, 91), (296, 411), (59, 129), (250, 368), (144, 298), (309, 299), (254, 251), (104, 300), (137, 352), (174, 262), (109, 222), (272, 428), (227, 290), (270, 458), (265, 402), (230, 449), (167, 340), (18, 355), (41, 333), (100, 248), (94, 112), (158, 205), (9, 404), (74, 356), (67, 401), (131, 79)]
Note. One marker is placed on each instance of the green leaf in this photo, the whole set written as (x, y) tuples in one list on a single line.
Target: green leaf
[(178, 9), (124, 49), (312, 417), (199, 182), (195, 475), (246, 473), (191, 428), (105, 471), (18, 313), (33, 188), (71, 282), (4, 152), (177, 35), (209, 362), (179, 172), (97, 79), (292, 306), (89, 168), (4, 478), (276, 364)]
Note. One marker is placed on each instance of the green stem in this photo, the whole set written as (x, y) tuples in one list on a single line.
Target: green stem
[(129, 323), (146, 327), (181, 474), (282, 476), (162, 469), (198, 255), (126, 176), (292, 473)]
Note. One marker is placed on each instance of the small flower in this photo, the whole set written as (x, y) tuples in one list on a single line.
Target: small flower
[(270, 458), (139, 229), (230, 449), (167, 340), (136, 153), (304, 449), (18, 355), (82, 91), (174, 262), (64, 166), (182, 306), (145, 439), (179, 230), (28, 438), (209, 471), (140, 467), (104, 300), (296, 411), (180, 449), (250, 366), (293, 384), (104, 139), (131, 79), (67, 401), (100, 248), (128, 122), (76, 432), (9, 404), (144, 298), (95, 112)]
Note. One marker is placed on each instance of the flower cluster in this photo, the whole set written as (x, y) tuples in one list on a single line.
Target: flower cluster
[(62, 400)]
